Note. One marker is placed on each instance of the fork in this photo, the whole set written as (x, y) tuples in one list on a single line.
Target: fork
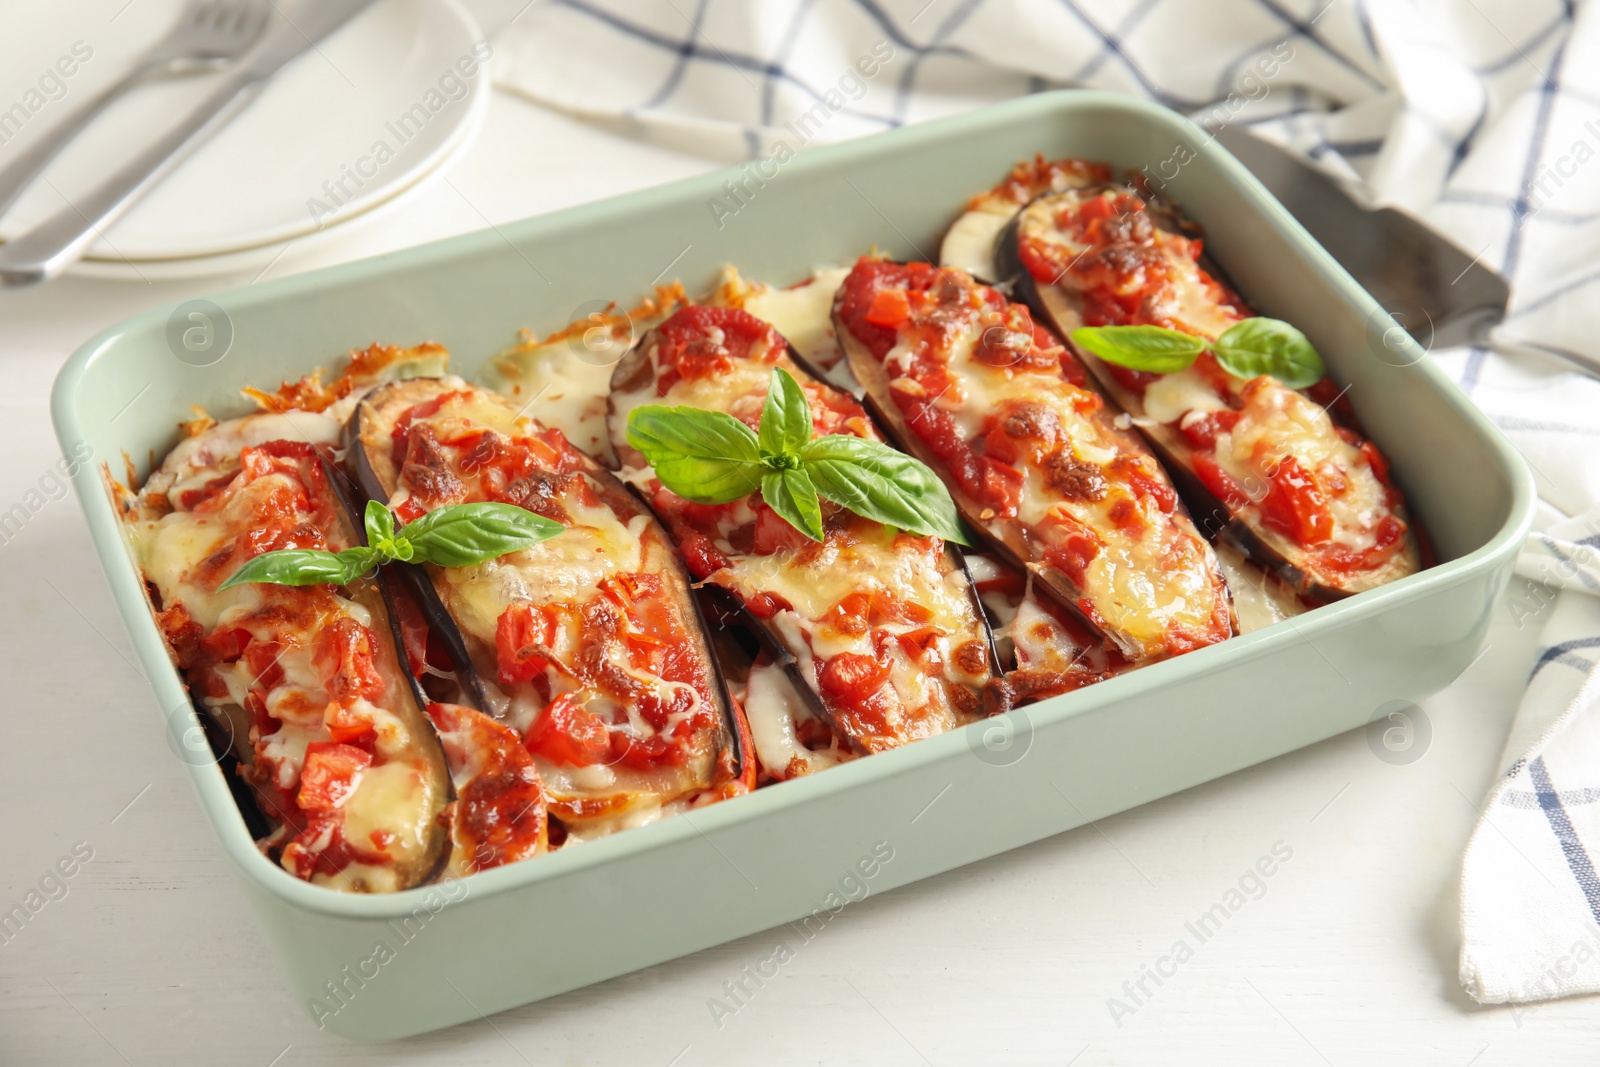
[(208, 34)]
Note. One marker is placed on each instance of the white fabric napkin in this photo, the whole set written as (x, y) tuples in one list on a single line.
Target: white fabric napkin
[(1480, 116)]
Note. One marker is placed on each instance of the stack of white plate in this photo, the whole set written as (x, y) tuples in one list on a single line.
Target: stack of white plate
[(343, 136)]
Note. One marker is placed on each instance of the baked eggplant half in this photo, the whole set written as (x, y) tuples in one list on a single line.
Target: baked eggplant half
[(877, 629), (1293, 485), (968, 383), (589, 645), (306, 682)]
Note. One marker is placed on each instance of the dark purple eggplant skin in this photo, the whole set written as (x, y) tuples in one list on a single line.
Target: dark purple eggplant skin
[(1057, 310), (630, 373), (729, 737)]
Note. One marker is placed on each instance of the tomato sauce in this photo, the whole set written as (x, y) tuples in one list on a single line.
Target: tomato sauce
[(567, 651)]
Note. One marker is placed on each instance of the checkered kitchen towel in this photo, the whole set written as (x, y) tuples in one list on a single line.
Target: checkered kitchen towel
[(1482, 116)]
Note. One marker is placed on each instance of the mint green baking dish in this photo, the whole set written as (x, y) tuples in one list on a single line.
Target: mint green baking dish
[(802, 848)]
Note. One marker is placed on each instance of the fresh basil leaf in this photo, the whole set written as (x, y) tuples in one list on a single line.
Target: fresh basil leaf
[(791, 494), (708, 457), (874, 480), (379, 521), (460, 535), (785, 421), (304, 566), (1147, 348), (1269, 346)]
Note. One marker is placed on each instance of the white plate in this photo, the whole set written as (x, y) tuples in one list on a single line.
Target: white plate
[(324, 142), (352, 237)]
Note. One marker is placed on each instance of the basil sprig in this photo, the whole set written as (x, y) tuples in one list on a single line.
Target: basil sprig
[(457, 535), (1247, 349), (710, 457)]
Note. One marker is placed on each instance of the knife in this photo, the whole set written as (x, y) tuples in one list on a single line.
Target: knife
[(50, 247), (1439, 292), (1436, 290)]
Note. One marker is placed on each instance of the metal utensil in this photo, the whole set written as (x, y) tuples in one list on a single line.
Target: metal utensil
[(1437, 291), (60, 240), (208, 33), (1441, 294)]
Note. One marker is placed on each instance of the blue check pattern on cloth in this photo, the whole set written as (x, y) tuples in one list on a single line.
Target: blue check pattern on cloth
[(1480, 116)]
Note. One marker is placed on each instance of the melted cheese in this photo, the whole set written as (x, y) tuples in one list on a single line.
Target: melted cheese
[(563, 384), (215, 451), (803, 314), (1259, 599), (775, 711), (390, 812), (1038, 639), (565, 569), (1172, 396)]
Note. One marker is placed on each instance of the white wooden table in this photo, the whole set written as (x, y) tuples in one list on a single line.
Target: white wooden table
[(1347, 957)]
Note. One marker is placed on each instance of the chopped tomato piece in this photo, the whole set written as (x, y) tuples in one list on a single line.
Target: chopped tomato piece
[(889, 308), (225, 646), (416, 637), (318, 849), (343, 658), (521, 636), (1221, 484), (703, 557), (886, 607), (1378, 462), (774, 533), (330, 774), (399, 436), (701, 342), (262, 657), (1294, 505), (1002, 485), (1387, 540), (566, 733), (766, 605), (917, 642), (852, 614), (1007, 583), (1201, 429), (1074, 552), (1144, 483), (850, 675), (854, 686)]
